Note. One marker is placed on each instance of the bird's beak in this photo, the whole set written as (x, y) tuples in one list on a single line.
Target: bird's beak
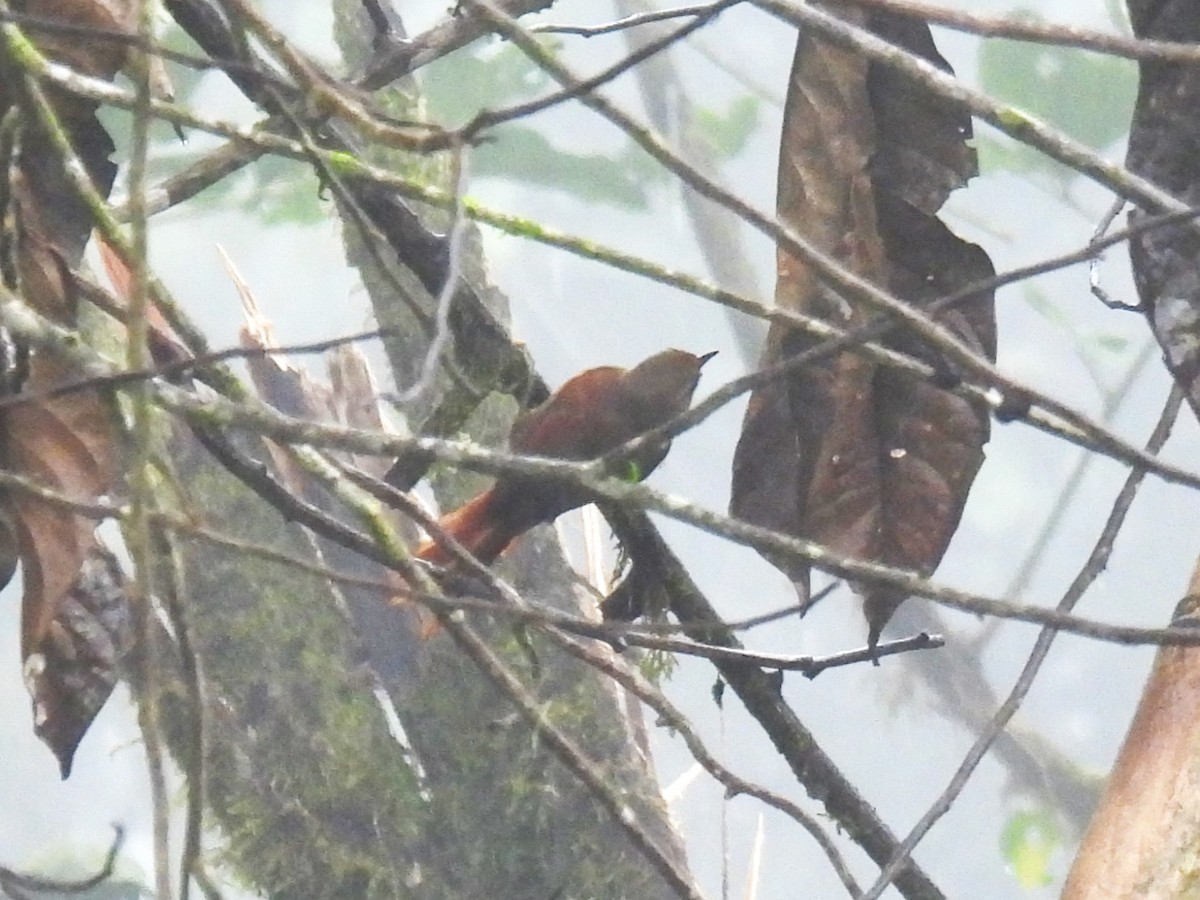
[(705, 357)]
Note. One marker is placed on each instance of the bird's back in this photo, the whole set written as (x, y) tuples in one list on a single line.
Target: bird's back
[(578, 422)]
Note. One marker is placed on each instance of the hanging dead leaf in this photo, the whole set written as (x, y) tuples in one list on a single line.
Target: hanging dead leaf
[(95, 55), (871, 462), (49, 213), (45, 248), (65, 444), (75, 664)]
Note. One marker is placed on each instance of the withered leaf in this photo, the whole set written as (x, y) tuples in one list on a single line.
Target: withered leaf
[(96, 55), (355, 398), (66, 445), (867, 460), (45, 249), (75, 663), (72, 588), (1162, 147), (279, 382), (63, 220)]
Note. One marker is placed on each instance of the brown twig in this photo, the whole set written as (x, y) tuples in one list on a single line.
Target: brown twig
[(491, 118), (12, 881), (635, 20)]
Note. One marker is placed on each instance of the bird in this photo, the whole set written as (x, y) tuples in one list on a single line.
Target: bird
[(593, 413)]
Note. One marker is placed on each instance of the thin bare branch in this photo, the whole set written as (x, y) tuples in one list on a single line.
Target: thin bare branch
[(1094, 263), (1027, 28), (1003, 394), (459, 29), (140, 469), (14, 881), (455, 235), (1088, 573), (174, 370), (635, 20), (675, 720), (1007, 119), (36, 24), (175, 602), (208, 413), (489, 119)]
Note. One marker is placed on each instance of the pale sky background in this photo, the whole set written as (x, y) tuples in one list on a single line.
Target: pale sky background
[(574, 314)]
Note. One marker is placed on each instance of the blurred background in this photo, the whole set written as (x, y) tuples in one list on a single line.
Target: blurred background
[(719, 96)]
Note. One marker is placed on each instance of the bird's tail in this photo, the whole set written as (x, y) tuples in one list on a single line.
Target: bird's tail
[(480, 526)]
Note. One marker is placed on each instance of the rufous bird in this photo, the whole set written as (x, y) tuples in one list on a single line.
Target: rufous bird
[(592, 414)]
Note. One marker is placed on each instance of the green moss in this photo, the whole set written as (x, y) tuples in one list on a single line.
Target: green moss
[(344, 164), (304, 779)]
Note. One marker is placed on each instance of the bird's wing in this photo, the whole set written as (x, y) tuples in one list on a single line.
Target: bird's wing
[(571, 424)]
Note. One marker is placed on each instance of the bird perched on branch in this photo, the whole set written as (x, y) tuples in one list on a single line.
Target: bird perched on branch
[(595, 412)]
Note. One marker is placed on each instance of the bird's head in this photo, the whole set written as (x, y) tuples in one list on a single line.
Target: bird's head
[(661, 387)]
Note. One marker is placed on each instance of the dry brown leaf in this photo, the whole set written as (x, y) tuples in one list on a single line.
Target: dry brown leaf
[(64, 444), (73, 608), (75, 664), (98, 57), (872, 462), (49, 214), (278, 381), (355, 398), (44, 249)]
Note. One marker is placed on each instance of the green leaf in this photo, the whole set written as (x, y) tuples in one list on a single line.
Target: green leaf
[(459, 85), (273, 190), (284, 193), (520, 153), (1112, 343), (1090, 96), (1047, 309), (1027, 843), (726, 134), (657, 665)]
